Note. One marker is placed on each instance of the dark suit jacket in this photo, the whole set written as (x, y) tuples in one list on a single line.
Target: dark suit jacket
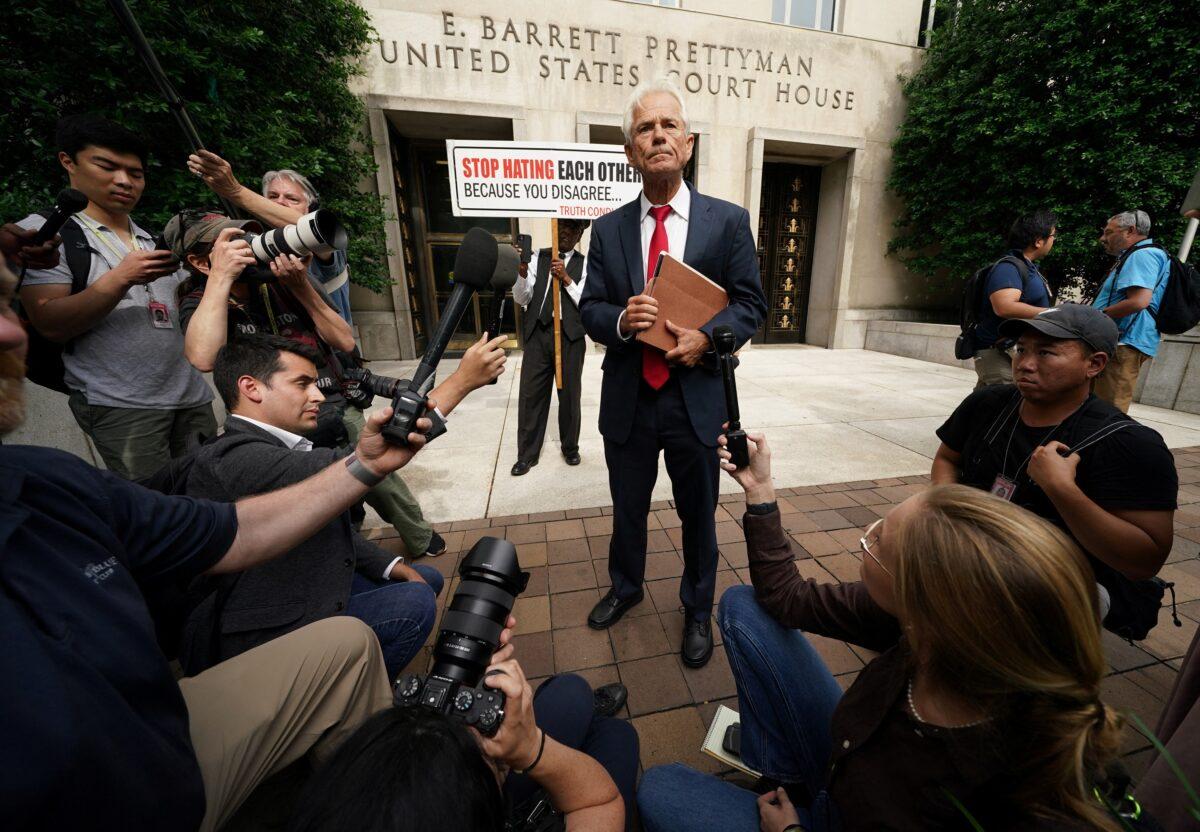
[(572, 324), (720, 246), (307, 584)]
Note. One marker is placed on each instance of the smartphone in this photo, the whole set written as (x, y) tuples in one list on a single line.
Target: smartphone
[(525, 243), (732, 743)]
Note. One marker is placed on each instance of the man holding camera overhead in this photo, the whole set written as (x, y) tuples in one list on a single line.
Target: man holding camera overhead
[(131, 389)]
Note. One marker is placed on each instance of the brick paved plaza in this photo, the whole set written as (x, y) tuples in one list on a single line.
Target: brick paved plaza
[(671, 705)]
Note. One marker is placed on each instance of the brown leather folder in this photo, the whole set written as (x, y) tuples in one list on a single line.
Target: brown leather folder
[(685, 297)]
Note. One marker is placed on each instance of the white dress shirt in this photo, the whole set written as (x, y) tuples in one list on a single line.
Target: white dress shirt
[(677, 230), (523, 288), (293, 441), (296, 442)]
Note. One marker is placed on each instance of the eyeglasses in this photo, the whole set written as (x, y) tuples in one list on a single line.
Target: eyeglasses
[(862, 541)]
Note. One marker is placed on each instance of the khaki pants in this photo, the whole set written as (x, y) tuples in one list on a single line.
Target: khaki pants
[(391, 498), (1120, 377), (257, 713), (135, 443), (993, 366)]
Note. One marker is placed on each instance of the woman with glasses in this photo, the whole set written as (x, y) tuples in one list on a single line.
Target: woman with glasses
[(983, 703)]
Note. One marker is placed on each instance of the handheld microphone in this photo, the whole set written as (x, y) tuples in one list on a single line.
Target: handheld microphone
[(474, 265), (735, 437), (68, 202)]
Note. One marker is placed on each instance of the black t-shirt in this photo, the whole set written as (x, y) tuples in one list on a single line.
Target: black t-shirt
[(95, 729), (279, 313), (1123, 464)]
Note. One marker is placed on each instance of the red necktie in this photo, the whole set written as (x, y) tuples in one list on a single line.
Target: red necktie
[(654, 366)]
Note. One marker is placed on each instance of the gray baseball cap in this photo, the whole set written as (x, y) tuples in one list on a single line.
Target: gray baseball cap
[(188, 228), (1072, 322)]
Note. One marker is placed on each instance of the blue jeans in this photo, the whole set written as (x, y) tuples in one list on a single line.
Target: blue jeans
[(786, 697), (400, 612), (563, 707)]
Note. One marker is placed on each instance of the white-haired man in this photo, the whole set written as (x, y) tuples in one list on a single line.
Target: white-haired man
[(1131, 295), (673, 401), (286, 197)]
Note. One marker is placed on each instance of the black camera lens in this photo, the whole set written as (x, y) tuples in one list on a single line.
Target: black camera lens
[(491, 581)]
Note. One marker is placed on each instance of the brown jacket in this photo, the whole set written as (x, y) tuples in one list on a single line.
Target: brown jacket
[(887, 771), (1160, 791)]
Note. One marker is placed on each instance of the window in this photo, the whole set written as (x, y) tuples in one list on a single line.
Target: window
[(811, 14)]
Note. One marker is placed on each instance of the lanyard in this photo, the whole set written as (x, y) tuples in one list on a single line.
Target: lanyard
[(266, 297)]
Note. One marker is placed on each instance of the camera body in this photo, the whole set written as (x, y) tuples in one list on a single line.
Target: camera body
[(478, 707), (491, 580), (407, 407)]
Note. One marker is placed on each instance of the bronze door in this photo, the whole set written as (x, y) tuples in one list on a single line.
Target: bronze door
[(787, 220)]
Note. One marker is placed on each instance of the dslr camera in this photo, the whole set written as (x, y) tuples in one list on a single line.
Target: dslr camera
[(491, 580), (408, 405)]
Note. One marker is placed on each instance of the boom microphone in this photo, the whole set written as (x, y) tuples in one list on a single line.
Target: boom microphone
[(68, 202), (474, 265)]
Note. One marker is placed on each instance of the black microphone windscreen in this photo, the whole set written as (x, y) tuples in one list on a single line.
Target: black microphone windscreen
[(475, 262), (507, 262), (71, 200)]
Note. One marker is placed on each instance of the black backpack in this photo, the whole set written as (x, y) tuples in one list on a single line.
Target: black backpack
[(44, 359), (1179, 309), (972, 303)]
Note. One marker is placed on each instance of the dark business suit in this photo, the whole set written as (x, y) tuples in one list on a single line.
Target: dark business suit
[(684, 417), (537, 364)]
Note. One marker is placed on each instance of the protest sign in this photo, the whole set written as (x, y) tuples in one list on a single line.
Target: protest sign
[(539, 179)]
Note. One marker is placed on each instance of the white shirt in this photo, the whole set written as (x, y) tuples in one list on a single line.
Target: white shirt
[(523, 288), (677, 231), (293, 441), (296, 442)]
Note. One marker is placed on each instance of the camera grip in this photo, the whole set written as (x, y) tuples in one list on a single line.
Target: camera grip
[(739, 450)]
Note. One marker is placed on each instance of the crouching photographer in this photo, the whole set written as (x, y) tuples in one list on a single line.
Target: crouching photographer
[(985, 698), (441, 758)]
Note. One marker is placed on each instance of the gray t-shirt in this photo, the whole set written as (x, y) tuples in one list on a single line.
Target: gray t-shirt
[(124, 361)]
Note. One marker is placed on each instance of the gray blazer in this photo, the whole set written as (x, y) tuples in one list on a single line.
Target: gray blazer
[(234, 613)]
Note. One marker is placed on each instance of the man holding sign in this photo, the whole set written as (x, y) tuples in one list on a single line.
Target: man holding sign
[(532, 291), (673, 401)]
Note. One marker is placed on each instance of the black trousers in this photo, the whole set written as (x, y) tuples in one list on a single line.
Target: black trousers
[(661, 423), (562, 707), (537, 380)]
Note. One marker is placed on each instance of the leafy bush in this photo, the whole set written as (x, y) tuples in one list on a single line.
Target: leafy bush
[(1087, 107), (265, 82)]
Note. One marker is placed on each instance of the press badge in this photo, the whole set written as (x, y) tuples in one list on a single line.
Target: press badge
[(160, 316), (1003, 487)]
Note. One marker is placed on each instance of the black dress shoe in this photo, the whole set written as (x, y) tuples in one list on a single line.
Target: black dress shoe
[(572, 458), (610, 609), (608, 699), (520, 469), (697, 642)]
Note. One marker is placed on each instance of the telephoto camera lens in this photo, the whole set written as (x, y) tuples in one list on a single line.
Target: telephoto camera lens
[(491, 581), (318, 232)]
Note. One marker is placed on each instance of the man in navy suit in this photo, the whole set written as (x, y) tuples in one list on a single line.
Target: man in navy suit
[(673, 402)]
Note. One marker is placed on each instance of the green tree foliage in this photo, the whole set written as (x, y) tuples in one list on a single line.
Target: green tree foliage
[(1087, 107), (265, 81)]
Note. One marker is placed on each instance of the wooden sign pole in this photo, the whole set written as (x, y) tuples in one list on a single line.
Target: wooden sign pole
[(555, 285)]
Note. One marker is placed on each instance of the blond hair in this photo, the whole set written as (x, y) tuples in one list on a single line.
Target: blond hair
[(1002, 607)]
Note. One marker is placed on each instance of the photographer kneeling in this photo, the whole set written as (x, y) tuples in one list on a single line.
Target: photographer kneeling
[(986, 697), (412, 769)]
